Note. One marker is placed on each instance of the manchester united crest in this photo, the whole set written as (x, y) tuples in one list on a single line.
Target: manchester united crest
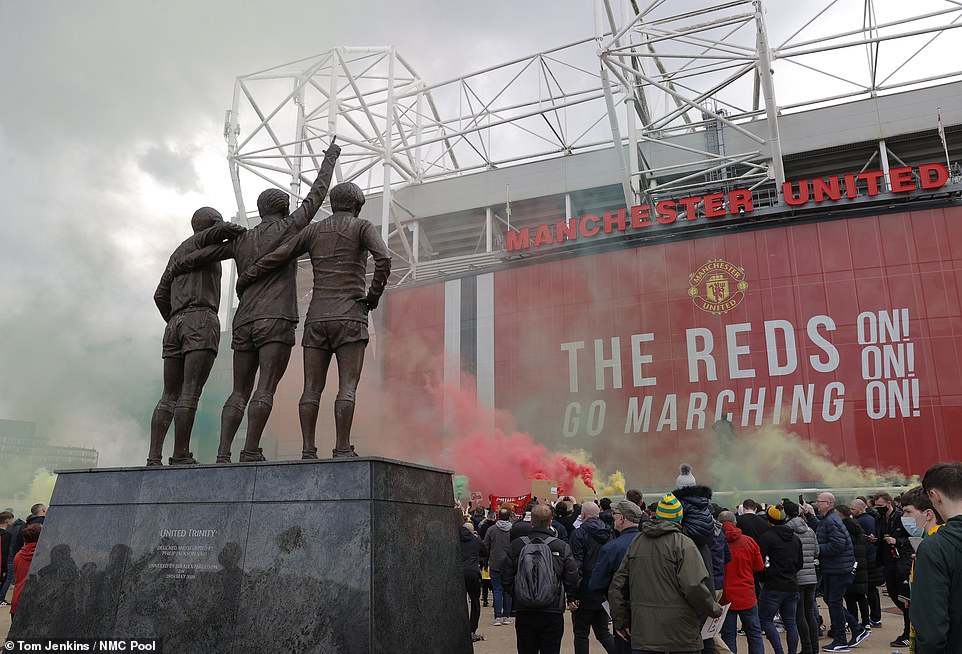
[(718, 286)]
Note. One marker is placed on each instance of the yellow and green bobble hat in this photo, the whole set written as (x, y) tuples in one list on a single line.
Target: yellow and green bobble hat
[(669, 508), (776, 514)]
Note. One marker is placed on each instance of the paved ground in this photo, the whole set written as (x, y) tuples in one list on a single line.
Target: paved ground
[(500, 640)]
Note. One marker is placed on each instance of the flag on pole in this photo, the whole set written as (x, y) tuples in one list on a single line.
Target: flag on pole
[(945, 147), (938, 114)]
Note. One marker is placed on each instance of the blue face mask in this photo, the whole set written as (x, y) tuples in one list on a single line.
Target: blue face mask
[(911, 527)]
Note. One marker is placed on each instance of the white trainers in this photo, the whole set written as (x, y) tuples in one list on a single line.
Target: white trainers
[(497, 622), (506, 621)]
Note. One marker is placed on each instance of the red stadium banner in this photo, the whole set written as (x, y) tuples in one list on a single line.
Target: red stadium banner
[(519, 502), (845, 332)]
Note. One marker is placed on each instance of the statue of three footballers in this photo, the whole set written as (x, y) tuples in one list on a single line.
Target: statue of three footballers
[(263, 326)]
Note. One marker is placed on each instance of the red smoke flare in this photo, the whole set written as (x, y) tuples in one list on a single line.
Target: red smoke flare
[(496, 458), (480, 443)]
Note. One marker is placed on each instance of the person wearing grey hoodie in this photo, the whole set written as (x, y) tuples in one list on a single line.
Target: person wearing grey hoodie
[(497, 540), (807, 580)]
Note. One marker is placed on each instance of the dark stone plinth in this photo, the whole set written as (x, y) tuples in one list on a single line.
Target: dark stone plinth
[(339, 556)]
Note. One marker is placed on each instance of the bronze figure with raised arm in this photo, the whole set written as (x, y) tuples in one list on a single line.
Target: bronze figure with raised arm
[(336, 323), (263, 327)]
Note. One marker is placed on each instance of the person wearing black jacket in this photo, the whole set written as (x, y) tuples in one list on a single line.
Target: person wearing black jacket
[(867, 518), (488, 522), (782, 553), (856, 597), (606, 516), (566, 515), (751, 524), (6, 519), (628, 516), (586, 542), (37, 514), (12, 531), (521, 528), (541, 630), (699, 525), (895, 553), (472, 551), (486, 587), (477, 517), (836, 557)]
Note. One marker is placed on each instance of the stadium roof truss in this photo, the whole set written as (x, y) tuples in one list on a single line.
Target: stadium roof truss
[(396, 130), (701, 60), (650, 80)]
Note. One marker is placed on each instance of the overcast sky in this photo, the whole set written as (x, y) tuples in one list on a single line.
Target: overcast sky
[(111, 115)]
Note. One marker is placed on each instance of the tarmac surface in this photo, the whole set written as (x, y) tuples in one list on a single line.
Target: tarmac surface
[(501, 640)]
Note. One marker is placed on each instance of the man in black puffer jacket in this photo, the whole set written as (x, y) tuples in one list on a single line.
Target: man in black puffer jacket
[(586, 542), (698, 524)]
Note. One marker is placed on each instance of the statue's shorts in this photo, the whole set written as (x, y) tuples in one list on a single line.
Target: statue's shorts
[(257, 333), (191, 330), (331, 334)]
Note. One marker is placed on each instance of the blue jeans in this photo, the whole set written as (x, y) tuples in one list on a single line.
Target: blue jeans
[(502, 601), (833, 590), (753, 630), (771, 602)]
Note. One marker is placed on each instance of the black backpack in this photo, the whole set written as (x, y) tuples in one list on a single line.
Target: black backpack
[(537, 584)]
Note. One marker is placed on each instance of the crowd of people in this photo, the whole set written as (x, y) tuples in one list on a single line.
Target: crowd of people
[(647, 578), (18, 540)]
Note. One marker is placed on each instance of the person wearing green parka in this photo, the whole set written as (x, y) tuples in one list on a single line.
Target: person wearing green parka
[(661, 587)]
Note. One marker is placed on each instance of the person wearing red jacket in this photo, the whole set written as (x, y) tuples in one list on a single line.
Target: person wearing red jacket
[(21, 562), (740, 587)]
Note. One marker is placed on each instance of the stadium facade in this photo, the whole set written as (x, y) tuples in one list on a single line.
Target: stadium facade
[(628, 241)]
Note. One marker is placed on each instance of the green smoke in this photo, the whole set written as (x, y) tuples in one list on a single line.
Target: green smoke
[(461, 490)]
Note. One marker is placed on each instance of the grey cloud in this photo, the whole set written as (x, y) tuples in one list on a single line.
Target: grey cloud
[(171, 166)]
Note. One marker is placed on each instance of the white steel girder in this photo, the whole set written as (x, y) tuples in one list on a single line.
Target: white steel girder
[(694, 67), (700, 84), (396, 130)]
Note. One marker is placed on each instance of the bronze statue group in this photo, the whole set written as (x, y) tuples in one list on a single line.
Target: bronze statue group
[(188, 298)]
